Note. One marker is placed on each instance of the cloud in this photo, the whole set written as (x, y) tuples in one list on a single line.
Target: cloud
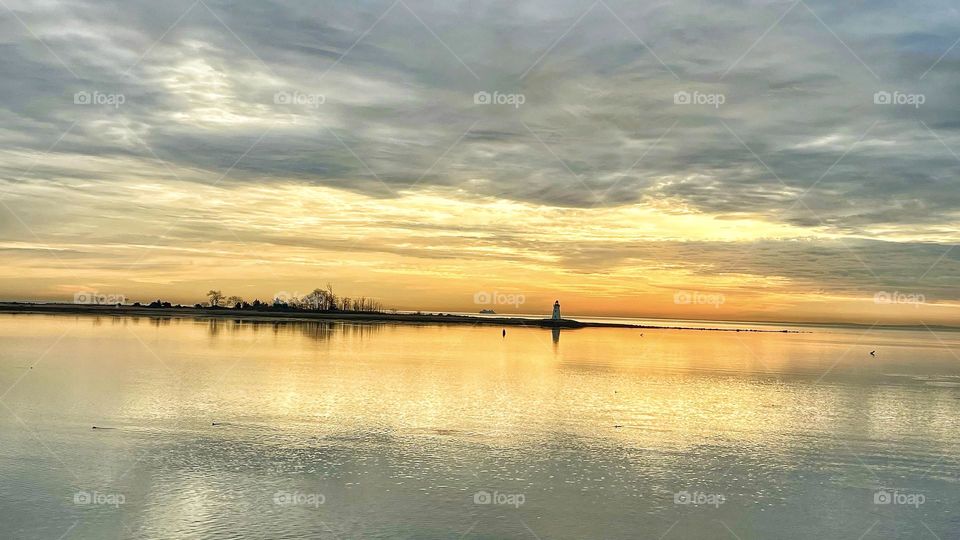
[(388, 108)]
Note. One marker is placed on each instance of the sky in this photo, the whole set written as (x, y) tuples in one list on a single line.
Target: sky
[(742, 160)]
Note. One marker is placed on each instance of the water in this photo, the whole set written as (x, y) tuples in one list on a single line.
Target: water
[(328, 430)]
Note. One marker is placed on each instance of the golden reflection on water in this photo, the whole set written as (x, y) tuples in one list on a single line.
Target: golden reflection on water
[(398, 424), (669, 388)]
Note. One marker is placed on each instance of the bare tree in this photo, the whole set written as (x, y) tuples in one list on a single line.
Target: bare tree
[(321, 300), (234, 301), (216, 297), (331, 297), (317, 299), (363, 303)]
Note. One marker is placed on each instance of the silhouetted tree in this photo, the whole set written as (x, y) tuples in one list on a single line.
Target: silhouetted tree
[(315, 299), (331, 297), (318, 300), (216, 297)]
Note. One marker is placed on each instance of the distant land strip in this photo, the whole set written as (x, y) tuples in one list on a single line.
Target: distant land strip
[(413, 318)]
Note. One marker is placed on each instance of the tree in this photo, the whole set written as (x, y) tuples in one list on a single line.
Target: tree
[(215, 298), (331, 297), (317, 299), (366, 304)]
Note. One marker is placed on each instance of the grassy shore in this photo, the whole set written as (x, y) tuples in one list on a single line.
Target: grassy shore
[(270, 315)]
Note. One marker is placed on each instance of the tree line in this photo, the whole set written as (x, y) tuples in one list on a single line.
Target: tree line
[(318, 300)]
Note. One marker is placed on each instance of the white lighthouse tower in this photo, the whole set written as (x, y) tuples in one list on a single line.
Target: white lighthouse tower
[(556, 311)]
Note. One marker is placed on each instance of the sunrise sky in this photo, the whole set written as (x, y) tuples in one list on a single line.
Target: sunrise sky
[(161, 149)]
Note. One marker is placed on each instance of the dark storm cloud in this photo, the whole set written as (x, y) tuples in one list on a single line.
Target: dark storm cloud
[(852, 267), (599, 125)]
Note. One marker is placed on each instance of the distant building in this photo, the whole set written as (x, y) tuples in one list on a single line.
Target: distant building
[(556, 311)]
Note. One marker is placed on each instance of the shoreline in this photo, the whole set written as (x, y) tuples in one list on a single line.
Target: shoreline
[(347, 316)]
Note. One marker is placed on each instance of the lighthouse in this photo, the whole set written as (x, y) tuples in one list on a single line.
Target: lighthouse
[(556, 311)]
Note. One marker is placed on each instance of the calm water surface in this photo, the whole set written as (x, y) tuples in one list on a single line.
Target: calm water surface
[(229, 429)]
